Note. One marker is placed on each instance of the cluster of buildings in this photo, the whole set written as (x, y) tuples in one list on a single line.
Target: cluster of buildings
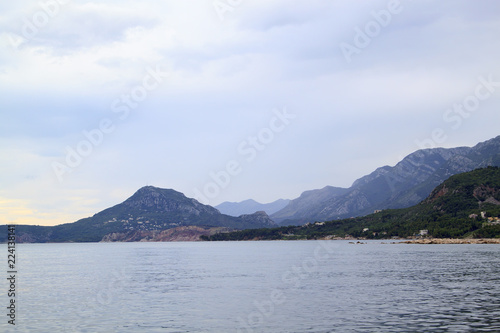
[(491, 220)]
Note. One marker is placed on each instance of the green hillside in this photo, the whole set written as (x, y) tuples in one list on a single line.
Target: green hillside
[(453, 209)]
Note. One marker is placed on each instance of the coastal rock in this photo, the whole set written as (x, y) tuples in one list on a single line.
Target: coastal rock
[(179, 234), (453, 241)]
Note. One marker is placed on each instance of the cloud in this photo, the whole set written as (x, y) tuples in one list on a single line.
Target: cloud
[(66, 27), (224, 79)]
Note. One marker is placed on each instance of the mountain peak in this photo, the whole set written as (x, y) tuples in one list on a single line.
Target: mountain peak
[(149, 189), (148, 212), (166, 200)]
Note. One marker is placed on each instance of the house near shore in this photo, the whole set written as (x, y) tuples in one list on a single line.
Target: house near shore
[(423, 232), (493, 220)]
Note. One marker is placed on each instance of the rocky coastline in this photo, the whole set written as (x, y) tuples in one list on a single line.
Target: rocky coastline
[(453, 241)]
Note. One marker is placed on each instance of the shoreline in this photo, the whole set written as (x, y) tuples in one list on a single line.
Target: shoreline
[(453, 241)]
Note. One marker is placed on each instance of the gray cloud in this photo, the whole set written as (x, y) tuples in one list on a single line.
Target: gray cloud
[(224, 79)]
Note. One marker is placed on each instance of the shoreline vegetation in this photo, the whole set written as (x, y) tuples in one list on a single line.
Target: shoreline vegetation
[(453, 241), (424, 241), (421, 241)]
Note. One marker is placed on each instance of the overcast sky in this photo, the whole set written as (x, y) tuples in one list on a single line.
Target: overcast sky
[(230, 100)]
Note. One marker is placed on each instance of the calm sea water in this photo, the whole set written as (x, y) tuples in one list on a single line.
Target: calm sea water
[(307, 286)]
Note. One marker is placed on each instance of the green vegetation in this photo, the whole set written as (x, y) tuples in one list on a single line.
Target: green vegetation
[(454, 209)]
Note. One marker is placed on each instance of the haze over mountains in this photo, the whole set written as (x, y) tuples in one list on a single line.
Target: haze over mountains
[(406, 184), (251, 206), (152, 211)]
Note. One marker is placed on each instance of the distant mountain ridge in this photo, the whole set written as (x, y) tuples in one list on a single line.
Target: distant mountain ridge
[(466, 205), (152, 210), (147, 212), (403, 185), (251, 206)]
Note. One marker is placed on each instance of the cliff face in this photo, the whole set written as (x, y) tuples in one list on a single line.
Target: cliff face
[(404, 185), (477, 189), (179, 234)]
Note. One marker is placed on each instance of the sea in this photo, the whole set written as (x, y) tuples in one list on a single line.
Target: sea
[(268, 286)]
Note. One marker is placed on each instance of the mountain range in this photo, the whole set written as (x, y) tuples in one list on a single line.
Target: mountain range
[(465, 205), (251, 206), (151, 212), (404, 185)]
